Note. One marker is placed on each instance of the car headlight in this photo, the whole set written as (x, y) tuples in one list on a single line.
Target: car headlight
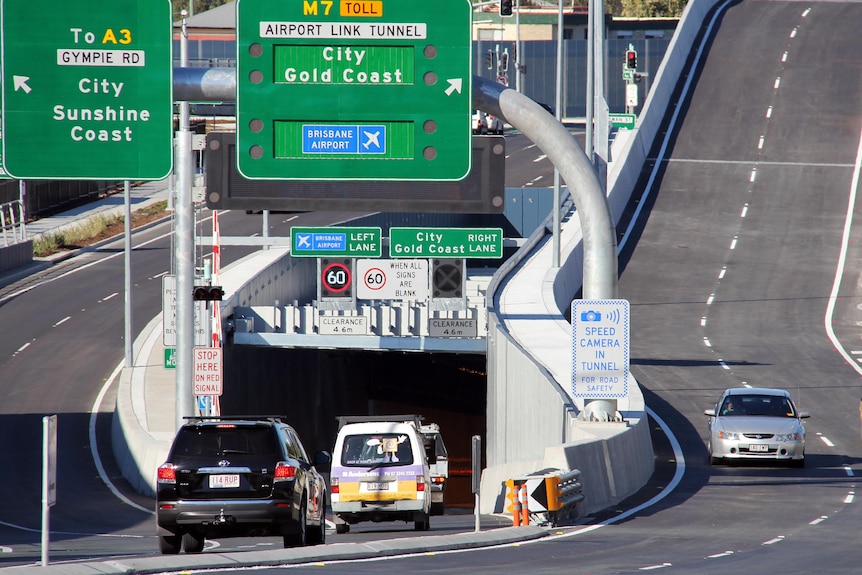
[(796, 436), (731, 435)]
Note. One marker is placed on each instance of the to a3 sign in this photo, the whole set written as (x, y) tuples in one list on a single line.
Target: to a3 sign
[(87, 89)]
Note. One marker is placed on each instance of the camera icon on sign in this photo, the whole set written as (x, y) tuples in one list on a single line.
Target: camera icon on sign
[(591, 316)]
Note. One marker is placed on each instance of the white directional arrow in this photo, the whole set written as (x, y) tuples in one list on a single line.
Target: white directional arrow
[(454, 86), (20, 83)]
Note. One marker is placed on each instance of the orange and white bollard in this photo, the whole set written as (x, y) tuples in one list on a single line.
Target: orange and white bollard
[(525, 505), (516, 505)]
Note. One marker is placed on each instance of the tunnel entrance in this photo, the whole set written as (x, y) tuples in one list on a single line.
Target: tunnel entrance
[(310, 387)]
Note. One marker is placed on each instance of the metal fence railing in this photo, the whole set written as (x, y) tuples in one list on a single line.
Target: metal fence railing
[(12, 222)]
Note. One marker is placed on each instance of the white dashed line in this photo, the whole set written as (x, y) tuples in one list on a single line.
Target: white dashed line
[(778, 539), (807, 10), (110, 296), (819, 520), (23, 347), (653, 567), (710, 299), (769, 112), (722, 273), (784, 57), (850, 497), (64, 320), (825, 440), (777, 83), (753, 175), (540, 158), (793, 33), (706, 342), (722, 363), (848, 470), (760, 143), (744, 211), (733, 243), (719, 555), (703, 321)]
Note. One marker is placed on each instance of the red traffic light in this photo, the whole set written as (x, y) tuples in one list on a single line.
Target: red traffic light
[(208, 293), (631, 59)]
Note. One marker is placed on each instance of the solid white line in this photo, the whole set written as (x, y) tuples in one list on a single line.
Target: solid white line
[(64, 320), (842, 259), (94, 447)]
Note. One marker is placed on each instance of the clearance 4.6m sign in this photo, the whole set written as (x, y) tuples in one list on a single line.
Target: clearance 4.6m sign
[(354, 89)]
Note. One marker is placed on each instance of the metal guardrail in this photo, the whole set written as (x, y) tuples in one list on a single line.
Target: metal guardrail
[(545, 497), (12, 222)]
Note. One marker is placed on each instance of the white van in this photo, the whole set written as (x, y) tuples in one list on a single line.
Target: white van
[(380, 472)]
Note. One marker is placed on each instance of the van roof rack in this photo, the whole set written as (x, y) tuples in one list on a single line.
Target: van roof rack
[(199, 418), (343, 420)]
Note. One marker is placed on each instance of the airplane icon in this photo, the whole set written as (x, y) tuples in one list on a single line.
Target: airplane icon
[(303, 241), (373, 138)]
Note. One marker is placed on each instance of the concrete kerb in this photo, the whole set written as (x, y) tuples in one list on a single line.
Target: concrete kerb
[(275, 557)]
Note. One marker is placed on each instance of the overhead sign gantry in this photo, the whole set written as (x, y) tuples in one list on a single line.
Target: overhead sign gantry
[(354, 89)]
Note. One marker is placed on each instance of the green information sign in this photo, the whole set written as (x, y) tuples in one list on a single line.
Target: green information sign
[(170, 357), (87, 89), (354, 89), (626, 121), (445, 243), (353, 242)]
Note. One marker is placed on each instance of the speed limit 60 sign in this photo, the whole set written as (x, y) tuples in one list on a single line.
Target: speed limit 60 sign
[(336, 278)]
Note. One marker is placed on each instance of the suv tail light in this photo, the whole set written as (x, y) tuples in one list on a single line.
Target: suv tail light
[(420, 483), (284, 472), (334, 485), (167, 474)]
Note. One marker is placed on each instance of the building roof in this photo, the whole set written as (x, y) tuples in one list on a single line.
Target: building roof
[(223, 16)]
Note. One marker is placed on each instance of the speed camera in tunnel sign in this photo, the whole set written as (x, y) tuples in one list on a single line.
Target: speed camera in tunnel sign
[(600, 348)]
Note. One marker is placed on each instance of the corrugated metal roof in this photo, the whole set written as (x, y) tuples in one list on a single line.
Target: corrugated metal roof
[(223, 16)]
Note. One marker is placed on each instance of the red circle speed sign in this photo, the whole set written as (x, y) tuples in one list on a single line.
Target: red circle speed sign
[(374, 279), (336, 277)]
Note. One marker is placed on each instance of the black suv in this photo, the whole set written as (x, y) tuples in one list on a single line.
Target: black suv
[(234, 477)]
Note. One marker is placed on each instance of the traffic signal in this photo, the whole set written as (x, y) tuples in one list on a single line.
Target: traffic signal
[(631, 59), (447, 278), (506, 7), (489, 59), (208, 293)]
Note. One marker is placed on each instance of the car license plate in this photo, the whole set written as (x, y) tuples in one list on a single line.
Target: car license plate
[(758, 447), (222, 481), (377, 486)]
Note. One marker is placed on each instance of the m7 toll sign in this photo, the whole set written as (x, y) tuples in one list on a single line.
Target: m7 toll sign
[(354, 90), (87, 89)]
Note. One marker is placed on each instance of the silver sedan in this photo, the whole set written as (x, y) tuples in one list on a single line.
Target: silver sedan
[(756, 423)]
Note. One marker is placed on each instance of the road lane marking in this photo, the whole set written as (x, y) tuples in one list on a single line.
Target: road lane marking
[(718, 555), (773, 541), (654, 567), (819, 520), (825, 440), (62, 321), (115, 294), (850, 497)]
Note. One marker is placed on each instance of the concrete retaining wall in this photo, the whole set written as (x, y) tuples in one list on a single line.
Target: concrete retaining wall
[(15, 256)]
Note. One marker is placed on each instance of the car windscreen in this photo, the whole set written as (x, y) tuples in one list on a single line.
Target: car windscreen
[(376, 450), (758, 405), (213, 441)]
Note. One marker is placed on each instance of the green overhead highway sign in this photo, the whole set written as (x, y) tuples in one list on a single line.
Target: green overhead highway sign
[(354, 90), (353, 242), (446, 242), (87, 89)]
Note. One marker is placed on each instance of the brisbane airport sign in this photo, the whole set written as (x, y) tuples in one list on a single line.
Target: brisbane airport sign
[(600, 348), (482, 192), (354, 89), (87, 89)]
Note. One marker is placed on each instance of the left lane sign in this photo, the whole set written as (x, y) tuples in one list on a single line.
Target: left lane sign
[(87, 92)]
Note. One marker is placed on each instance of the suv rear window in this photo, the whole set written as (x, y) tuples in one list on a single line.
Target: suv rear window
[(218, 441), (366, 450)]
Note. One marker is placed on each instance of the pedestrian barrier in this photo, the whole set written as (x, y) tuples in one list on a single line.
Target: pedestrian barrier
[(546, 497), (12, 222)]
